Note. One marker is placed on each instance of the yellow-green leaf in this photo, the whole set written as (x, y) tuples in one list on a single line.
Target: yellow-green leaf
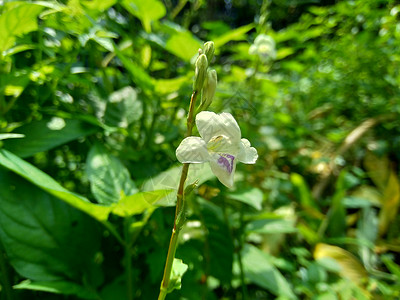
[(350, 267)]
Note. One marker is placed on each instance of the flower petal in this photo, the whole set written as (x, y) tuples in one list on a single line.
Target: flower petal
[(192, 150), (223, 166), (247, 154), (212, 125)]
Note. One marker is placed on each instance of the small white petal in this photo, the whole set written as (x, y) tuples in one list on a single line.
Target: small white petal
[(223, 166), (192, 150), (247, 154), (212, 125)]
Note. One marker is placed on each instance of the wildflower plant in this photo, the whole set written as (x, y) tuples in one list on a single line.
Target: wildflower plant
[(220, 144)]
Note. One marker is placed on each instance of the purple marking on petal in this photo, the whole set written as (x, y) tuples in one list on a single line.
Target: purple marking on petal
[(226, 161)]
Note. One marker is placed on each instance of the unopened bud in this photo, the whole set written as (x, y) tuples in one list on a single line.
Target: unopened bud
[(209, 50), (210, 87), (200, 72)]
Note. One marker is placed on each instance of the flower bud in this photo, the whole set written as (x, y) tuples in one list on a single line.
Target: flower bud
[(200, 72), (210, 85), (209, 50)]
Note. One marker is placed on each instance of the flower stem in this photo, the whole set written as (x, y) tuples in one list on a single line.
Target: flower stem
[(179, 210)]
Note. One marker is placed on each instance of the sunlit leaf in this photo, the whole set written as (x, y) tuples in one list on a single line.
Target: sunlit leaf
[(178, 270), (169, 180), (123, 108), (57, 287), (390, 203), (350, 267), (378, 169), (183, 44), (237, 34), (147, 11), (47, 134), (12, 26), (252, 197), (271, 226), (138, 203), (4, 136), (167, 86)]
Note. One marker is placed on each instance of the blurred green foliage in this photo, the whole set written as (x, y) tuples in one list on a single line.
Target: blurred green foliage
[(93, 98)]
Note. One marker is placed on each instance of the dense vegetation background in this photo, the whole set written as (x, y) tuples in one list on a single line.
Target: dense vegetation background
[(94, 94)]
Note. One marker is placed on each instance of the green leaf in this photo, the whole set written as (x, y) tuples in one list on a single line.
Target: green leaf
[(109, 179), (349, 265), (252, 197), (45, 182), (57, 287), (169, 180), (146, 11), (123, 108), (178, 270), (47, 134), (271, 226), (138, 203), (233, 35), (18, 20), (183, 44), (219, 242), (337, 213), (139, 75), (44, 238), (259, 270), (167, 86)]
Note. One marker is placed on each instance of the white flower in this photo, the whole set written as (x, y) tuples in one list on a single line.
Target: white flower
[(264, 47), (220, 144)]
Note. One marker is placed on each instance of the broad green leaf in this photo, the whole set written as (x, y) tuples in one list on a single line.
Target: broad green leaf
[(57, 287), (218, 240), (44, 238), (350, 267), (167, 86), (378, 169), (147, 11), (45, 182), (16, 83), (169, 180), (123, 108), (390, 203), (252, 197), (178, 270), (109, 178), (183, 44), (47, 134), (259, 270), (337, 212), (271, 226), (138, 203), (98, 5), (18, 20), (233, 35)]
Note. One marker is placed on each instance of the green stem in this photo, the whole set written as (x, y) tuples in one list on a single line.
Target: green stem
[(5, 282), (128, 258), (241, 243), (114, 232), (179, 211)]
